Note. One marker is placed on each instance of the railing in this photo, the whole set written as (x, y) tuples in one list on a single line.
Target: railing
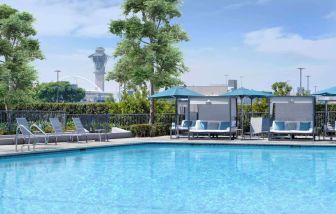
[(8, 118), (320, 117), (95, 121)]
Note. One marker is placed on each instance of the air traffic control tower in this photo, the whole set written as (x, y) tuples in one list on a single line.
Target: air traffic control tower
[(99, 59)]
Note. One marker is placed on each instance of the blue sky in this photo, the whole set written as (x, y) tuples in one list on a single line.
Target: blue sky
[(261, 40)]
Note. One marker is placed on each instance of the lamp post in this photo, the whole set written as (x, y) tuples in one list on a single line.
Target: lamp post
[(300, 92), (57, 93), (308, 77)]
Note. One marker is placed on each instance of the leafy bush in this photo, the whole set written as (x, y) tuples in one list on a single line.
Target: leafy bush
[(4, 129), (146, 130)]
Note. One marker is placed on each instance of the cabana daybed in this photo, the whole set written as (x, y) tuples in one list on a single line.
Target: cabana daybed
[(216, 116), (292, 116)]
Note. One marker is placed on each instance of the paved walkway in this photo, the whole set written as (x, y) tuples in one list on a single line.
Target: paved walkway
[(8, 150)]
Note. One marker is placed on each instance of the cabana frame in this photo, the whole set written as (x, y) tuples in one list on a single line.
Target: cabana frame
[(288, 118), (230, 131)]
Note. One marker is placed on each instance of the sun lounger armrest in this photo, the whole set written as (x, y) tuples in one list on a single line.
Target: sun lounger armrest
[(24, 128), (38, 128)]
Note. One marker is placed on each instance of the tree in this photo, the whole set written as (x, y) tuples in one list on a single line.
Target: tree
[(18, 49), (47, 92), (147, 52), (260, 105), (281, 88)]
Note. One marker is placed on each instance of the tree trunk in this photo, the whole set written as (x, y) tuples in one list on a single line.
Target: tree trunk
[(151, 104)]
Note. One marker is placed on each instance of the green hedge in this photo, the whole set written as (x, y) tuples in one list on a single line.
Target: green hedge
[(146, 130), (70, 108), (97, 108)]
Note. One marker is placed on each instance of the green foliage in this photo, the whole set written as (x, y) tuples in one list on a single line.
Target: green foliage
[(138, 103), (47, 92), (139, 107), (260, 105), (321, 107), (70, 108), (281, 88), (4, 129), (147, 52), (18, 49), (147, 130)]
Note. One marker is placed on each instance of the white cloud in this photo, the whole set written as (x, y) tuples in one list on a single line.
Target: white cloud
[(89, 18), (275, 40), (331, 15)]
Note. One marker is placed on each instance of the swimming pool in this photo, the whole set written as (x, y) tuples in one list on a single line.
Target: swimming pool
[(172, 179)]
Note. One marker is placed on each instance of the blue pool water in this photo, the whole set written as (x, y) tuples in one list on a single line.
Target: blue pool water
[(172, 179)]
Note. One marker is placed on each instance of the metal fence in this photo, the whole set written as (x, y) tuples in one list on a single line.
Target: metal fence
[(320, 118), (90, 121), (8, 118), (99, 121)]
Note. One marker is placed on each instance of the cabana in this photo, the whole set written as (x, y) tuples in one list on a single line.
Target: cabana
[(214, 116), (292, 116), (328, 95), (181, 95)]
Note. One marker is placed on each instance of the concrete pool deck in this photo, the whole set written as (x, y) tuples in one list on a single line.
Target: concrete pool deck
[(9, 150)]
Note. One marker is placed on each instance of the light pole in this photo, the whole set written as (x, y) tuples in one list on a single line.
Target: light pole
[(308, 76), (300, 90), (57, 93), (315, 88)]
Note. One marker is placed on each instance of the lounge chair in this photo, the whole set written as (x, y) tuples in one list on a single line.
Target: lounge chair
[(215, 128), (292, 129), (184, 127), (330, 130), (25, 130), (259, 126), (82, 131), (59, 132)]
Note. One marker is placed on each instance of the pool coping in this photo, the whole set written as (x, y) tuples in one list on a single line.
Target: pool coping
[(143, 141)]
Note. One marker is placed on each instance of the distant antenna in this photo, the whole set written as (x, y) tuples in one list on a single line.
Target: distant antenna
[(300, 91), (241, 81), (308, 82)]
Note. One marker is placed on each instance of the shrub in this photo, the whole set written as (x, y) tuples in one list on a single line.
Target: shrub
[(146, 130)]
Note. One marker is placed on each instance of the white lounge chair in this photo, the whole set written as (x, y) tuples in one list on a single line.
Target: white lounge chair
[(25, 131), (292, 128), (209, 128), (184, 127), (59, 132), (84, 132), (330, 130), (259, 126)]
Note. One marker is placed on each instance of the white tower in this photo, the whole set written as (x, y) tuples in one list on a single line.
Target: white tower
[(99, 59)]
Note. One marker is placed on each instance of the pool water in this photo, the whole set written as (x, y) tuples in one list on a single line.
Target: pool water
[(172, 179)]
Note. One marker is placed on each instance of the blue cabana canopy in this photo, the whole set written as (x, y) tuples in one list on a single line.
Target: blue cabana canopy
[(244, 92), (329, 92), (175, 92)]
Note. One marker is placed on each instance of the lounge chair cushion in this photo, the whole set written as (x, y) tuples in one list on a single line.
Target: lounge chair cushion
[(186, 123), (279, 125), (203, 125), (213, 125), (224, 125), (291, 125), (305, 126)]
